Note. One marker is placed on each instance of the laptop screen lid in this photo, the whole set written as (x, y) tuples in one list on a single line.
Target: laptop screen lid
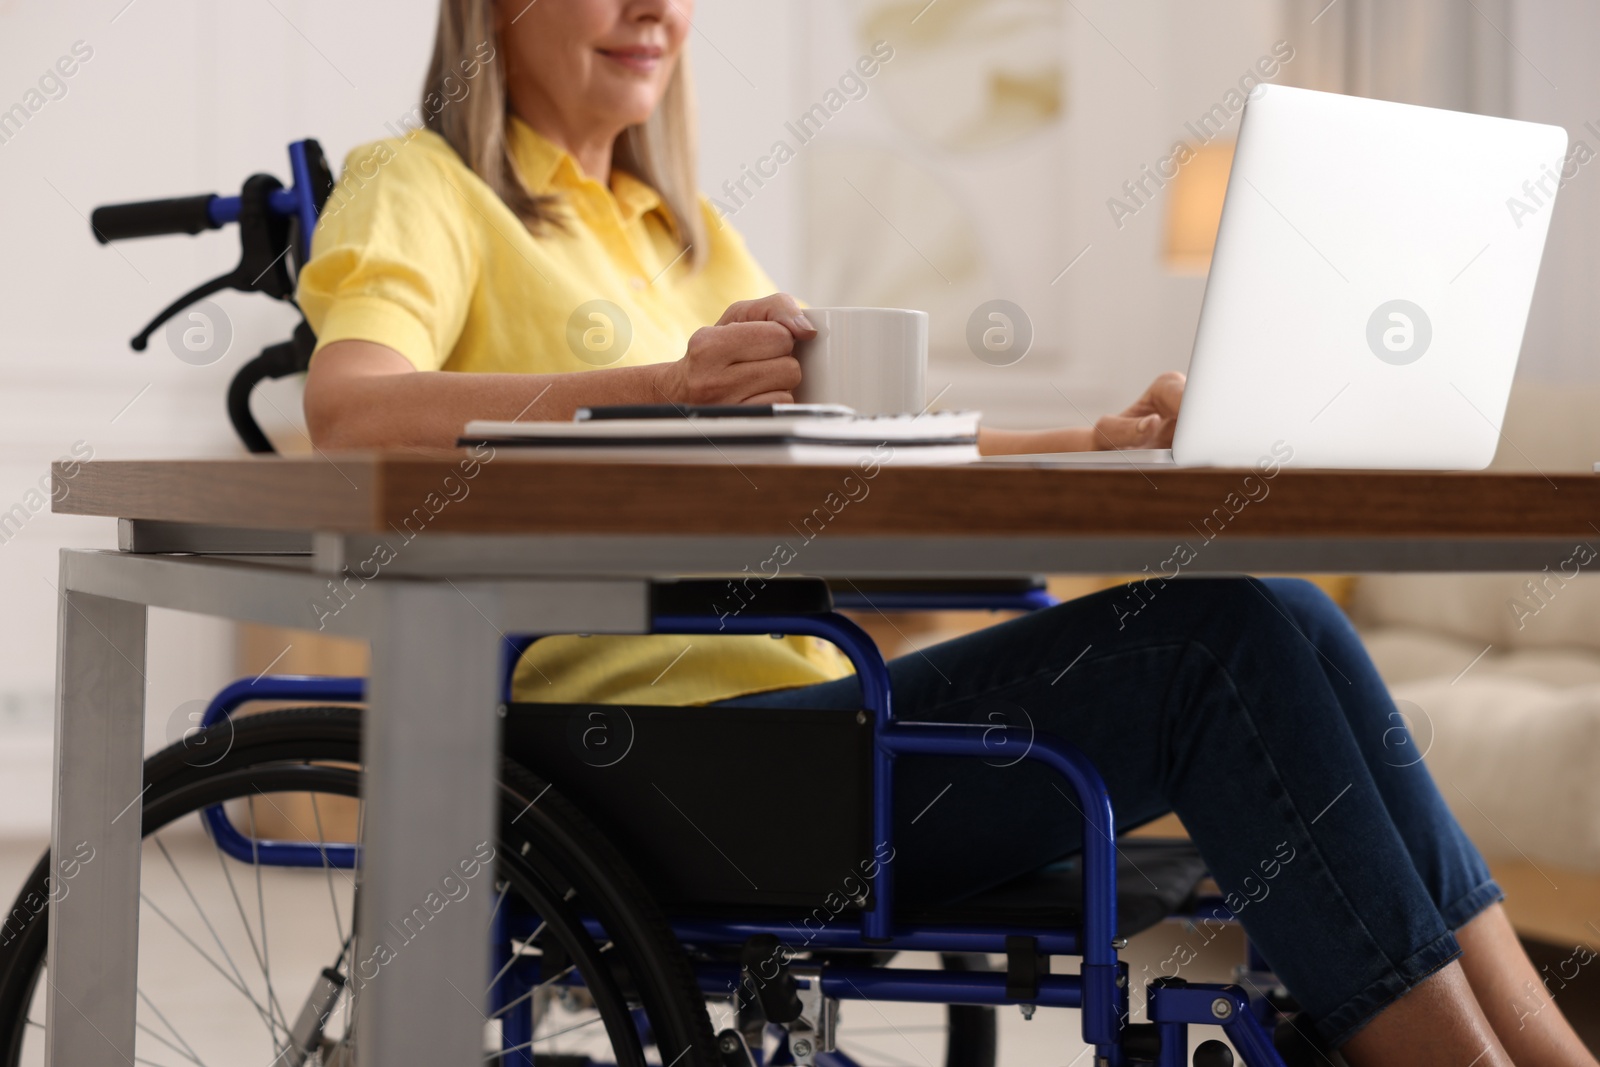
[(1370, 285)]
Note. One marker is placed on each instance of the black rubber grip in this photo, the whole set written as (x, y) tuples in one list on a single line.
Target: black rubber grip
[(152, 218)]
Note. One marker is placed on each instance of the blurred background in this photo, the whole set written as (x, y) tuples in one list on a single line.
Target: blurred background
[(1066, 156)]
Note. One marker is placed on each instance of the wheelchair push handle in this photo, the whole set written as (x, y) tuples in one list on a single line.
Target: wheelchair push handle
[(274, 221), (302, 203), (154, 218), (184, 214)]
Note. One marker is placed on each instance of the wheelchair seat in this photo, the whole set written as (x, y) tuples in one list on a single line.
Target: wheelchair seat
[(658, 765), (1156, 878)]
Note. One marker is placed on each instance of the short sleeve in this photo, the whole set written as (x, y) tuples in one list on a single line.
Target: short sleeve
[(394, 260)]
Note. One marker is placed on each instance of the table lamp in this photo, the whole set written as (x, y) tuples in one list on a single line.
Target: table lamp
[(1194, 208)]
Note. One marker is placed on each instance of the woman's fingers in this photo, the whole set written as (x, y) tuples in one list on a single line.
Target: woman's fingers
[(779, 307), (733, 363), (1163, 398), (1165, 395), (742, 342), (769, 398), (1128, 431), (1150, 422), (747, 382)]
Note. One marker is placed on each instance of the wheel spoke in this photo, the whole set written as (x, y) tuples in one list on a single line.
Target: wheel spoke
[(568, 1029), (541, 986), (187, 1054), (165, 1022), (156, 838), (546, 1037), (874, 1056), (226, 977), (261, 907), (501, 973), (577, 1009), (244, 920), (494, 912), (351, 997), (322, 846)]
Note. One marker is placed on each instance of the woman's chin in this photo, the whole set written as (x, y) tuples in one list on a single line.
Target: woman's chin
[(633, 109)]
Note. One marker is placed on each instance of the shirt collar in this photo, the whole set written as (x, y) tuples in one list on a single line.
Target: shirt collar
[(548, 168)]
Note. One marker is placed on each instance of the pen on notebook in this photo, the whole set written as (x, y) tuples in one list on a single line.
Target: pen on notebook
[(707, 411)]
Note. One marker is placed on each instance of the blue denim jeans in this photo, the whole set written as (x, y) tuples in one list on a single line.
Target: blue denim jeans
[(1247, 707)]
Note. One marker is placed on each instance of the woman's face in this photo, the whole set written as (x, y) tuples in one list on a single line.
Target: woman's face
[(593, 66)]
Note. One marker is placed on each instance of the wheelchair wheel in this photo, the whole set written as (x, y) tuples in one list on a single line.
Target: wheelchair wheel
[(233, 953), (974, 1035)]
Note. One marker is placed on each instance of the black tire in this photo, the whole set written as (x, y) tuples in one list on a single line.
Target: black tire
[(974, 1037), (547, 850)]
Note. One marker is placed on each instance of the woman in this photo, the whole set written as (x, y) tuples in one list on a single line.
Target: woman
[(456, 275)]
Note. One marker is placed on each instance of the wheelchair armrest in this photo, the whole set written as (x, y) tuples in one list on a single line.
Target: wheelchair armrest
[(714, 598)]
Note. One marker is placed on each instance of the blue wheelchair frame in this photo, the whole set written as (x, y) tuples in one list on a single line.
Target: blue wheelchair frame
[(297, 202), (1099, 991)]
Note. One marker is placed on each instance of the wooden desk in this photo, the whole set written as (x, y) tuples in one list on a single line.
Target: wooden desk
[(499, 543), (528, 517)]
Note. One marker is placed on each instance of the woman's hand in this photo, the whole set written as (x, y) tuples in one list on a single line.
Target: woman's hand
[(746, 358), (1147, 423)]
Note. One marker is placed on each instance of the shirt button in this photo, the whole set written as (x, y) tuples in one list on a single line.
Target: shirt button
[(638, 283)]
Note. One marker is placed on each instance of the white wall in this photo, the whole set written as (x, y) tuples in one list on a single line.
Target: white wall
[(1555, 79), (749, 68), (178, 96)]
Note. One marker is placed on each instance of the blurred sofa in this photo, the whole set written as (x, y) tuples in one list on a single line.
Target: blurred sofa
[(1499, 677)]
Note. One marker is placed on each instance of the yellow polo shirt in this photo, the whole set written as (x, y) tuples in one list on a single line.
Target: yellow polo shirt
[(415, 252)]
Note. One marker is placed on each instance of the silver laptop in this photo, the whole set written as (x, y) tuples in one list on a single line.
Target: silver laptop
[(1369, 290)]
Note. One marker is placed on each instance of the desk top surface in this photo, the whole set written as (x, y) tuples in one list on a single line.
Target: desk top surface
[(508, 492)]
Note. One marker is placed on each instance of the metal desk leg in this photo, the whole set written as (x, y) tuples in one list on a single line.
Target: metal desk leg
[(430, 751), (93, 961)]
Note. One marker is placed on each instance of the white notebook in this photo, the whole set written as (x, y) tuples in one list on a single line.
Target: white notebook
[(1110, 458), (934, 437)]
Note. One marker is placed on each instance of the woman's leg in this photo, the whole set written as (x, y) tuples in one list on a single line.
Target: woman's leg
[(1195, 696), (1520, 1007), (1508, 988), (1437, 1024), (1448, 863)]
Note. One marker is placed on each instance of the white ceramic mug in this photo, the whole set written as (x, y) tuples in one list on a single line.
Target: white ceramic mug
[(872, 359)]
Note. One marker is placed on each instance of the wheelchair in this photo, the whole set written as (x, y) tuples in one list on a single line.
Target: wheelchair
[(622, 921)]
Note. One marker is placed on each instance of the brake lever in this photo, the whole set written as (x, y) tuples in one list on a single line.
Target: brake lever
[(263, 266)]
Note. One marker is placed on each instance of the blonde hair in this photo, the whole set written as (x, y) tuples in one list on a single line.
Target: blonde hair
[(660, 152)]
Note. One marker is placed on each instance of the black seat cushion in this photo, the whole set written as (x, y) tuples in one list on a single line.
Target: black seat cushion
[(1156, 877), (687, 795)]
